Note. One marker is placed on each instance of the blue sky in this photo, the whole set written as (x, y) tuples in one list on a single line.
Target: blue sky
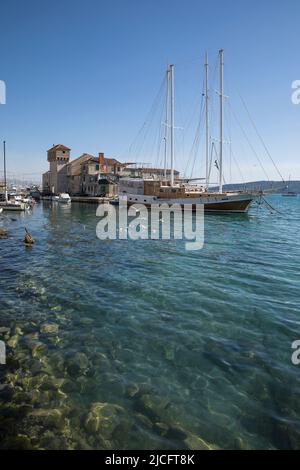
[(85, 74)]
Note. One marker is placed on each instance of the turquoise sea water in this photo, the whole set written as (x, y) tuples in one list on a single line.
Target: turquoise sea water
[(150, 346)]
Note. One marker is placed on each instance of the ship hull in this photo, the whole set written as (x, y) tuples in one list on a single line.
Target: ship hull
[(219, 204)]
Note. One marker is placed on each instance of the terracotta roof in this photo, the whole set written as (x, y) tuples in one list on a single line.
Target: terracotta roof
[(59, 147), (111, 161), (107, 161)]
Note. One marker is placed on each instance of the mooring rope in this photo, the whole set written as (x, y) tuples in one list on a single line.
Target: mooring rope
[(268, 205)]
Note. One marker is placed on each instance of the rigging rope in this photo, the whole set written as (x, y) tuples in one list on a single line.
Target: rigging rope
[(249, 143), (260, 137)]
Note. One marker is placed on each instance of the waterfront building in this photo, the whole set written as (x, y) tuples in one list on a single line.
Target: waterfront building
[(86, 175), (91, 176)]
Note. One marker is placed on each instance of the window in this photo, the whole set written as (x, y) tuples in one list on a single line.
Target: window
[(97, 167)]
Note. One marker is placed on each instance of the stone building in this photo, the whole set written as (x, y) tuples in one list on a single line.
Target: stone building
[(54, 180), (100, 176), (88, 175)]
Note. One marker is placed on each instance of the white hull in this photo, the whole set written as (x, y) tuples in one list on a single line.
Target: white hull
[(10, 206), (64, 198)]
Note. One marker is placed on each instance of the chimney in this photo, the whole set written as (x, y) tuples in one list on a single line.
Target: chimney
[(101, 161)]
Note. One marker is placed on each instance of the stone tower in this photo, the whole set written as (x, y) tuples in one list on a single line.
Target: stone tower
[(58, 156)]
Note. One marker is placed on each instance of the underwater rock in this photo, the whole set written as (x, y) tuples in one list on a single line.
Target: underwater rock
[(194, 442), (3, 233), (162, 428), (6, 392), (143, 421), (104, 418), (4, 330), (18, 331), (49, 328), (77, 364), (132, 390), (37, 348), (153, 405), (56, 361), (241, 444), (28, 239), (13, 341), (34, 396), (47, 417), (56, 308), (35, 366), (52, 383), (19, 442), (30, 328), (101, 362), (70, 386), (176, 433), (55, 340), (16, 411)]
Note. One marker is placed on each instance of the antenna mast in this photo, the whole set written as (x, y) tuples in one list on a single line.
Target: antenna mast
[(166, 122), (207, 120), (172, 124), (221, 53)]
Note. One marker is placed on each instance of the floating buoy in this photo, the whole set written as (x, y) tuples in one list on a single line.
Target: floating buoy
[(28, 240)]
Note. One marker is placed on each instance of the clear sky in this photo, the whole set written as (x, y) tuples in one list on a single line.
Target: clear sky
[(85, 73)]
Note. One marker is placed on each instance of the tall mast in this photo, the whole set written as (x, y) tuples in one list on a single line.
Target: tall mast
[(4, 159), (206, 120), (221, 53), (166, 122), (172, 124)]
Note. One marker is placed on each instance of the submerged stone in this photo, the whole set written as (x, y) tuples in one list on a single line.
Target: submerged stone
[(51, 383), (18, 331), (6, 392), (19, 442), (105, 418), (4, 330), (77, 364), (47, 417), (13, 341), (37, 348), (49, 328), (154, 405), (56, 308), (132, 390), (3, 233), (194, 442)]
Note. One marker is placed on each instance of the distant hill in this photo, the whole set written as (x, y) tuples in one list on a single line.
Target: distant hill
[(278, 186)]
